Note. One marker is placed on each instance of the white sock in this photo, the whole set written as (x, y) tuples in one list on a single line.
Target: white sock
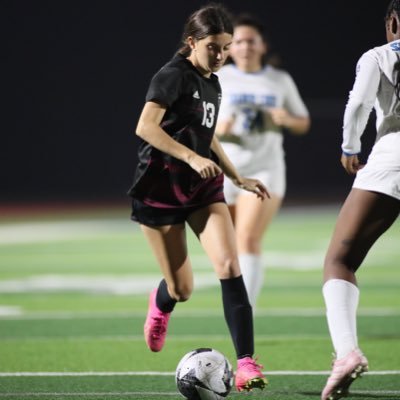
[(253, 275), (341, 300)]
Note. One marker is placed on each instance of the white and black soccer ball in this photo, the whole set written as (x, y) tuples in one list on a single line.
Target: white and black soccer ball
[(204, 374)]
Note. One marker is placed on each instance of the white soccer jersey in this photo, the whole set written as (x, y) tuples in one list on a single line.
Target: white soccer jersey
[(373, 87), (245, 99)]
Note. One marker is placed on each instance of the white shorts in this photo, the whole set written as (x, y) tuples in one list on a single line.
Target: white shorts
[(382, 172), (274, 179)]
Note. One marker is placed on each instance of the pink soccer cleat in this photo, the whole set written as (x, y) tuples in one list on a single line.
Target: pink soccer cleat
[(249, 375), (344, 372), (155, 327)]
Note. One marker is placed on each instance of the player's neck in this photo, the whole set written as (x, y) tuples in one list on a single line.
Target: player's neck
[(249, 67), (199, 68)]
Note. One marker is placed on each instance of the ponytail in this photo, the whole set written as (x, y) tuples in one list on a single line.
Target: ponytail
[(396, 73)]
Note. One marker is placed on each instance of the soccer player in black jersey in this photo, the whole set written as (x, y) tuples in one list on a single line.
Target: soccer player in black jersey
[(179, 179)]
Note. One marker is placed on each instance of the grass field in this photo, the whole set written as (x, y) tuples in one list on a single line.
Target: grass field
[(73, 298)]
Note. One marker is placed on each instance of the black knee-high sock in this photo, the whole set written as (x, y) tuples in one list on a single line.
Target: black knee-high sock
[(163, 300), (238, 315)]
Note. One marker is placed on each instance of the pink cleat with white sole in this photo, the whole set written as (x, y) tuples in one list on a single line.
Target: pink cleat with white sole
[(249, 375), (344, 372)]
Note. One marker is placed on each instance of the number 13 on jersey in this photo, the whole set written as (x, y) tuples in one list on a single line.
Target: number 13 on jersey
[(208, 114)]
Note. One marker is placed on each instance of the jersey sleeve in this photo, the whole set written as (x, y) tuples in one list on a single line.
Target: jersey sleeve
[(360, 103), (293, 101), (165, 86), (226, 110)]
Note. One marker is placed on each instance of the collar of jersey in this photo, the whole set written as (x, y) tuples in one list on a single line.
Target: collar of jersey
[(261, 71), (212, 76)]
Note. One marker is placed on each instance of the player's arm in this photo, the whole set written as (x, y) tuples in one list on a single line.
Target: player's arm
[(293, 115), (252, 185), (358, 108), (351, 163), (224, 131), (149, 129), (282, 117)]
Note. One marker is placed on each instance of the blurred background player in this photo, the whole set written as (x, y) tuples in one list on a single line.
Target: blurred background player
[(373, 203), (258, 102), (179, 179)]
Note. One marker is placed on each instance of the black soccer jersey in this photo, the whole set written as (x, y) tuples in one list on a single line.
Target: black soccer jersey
[(192, 102)]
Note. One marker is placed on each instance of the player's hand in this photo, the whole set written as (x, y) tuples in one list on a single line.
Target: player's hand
[(205, 167), (279, 116), (351, 163), (230, 138), (254, 186)]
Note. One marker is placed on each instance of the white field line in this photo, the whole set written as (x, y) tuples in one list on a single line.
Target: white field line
[(171, 373), (61, 230), (54, 231), (180, 338), (17, 313), (126, 284), (109, 284), (18, 395), (76, 230)]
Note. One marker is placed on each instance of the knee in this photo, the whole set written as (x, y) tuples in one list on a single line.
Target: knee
[(336, 264), (227, 267), (181, 292), (249, 242)]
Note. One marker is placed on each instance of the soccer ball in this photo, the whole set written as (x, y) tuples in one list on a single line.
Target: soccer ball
[(204, 374)]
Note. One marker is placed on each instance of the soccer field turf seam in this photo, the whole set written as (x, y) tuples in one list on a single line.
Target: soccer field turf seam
[(359, 393), (86, 394), (178, 337)]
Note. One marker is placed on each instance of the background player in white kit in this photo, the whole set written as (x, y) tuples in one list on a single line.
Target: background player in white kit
[(258, 101), (373, 203)]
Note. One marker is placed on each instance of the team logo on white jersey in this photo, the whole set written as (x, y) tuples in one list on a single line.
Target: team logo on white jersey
[(395, 46), (196, 95)]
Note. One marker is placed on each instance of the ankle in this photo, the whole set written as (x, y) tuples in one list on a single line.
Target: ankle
[(244, 360)]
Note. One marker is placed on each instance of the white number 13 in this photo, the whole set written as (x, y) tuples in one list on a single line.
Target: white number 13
[(208, 114)]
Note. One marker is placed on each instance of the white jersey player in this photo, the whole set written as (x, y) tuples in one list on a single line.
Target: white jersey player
[(372, 205), (246, 101), (258, 101), (375, 85)]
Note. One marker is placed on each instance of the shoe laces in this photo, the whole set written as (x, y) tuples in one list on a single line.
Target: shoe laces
[(159, 326), (334, 359), (251, 364)]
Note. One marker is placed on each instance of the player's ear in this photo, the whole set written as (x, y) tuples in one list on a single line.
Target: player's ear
[(266, 47), (191, 42), (394, 24)]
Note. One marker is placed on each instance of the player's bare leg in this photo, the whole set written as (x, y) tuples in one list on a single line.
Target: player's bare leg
[(214, 228), (169, 245), (252, 218), (364, 217)]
